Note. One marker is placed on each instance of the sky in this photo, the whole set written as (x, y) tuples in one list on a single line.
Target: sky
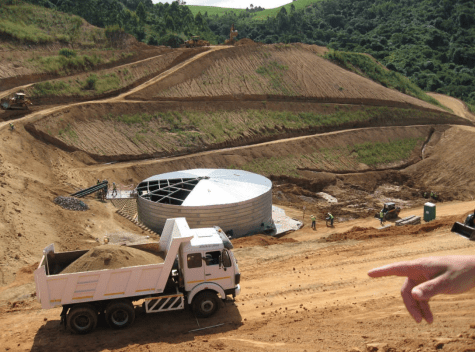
[(236, 4)]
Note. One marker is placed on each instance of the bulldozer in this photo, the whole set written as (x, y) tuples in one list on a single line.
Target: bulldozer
[(196, 42), (232, 34), (390, 211), (467, 229), (17, 102)]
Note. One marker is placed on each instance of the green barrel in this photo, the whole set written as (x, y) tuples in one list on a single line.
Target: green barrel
[(429, 212)]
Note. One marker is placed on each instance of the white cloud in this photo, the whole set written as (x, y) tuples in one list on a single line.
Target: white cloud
[(239, 4)]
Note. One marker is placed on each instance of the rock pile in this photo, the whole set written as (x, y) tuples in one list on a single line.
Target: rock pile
[(71, 203)]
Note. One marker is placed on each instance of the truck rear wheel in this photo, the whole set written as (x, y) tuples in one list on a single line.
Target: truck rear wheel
[(120, 314), (82, 319), (205, 304)]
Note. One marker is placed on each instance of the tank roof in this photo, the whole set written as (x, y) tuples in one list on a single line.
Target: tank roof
[(204, 187)]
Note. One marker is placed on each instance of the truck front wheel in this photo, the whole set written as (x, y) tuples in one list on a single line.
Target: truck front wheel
[(120, 314), (205, 304), (82, 319)]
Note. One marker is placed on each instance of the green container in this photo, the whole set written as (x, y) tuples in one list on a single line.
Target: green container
[(429, 212)]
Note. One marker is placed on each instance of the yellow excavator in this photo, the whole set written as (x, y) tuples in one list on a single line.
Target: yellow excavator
[(18, 102), (232, 34)]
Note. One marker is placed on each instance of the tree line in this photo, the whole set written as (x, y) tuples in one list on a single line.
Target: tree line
[(432, 42)]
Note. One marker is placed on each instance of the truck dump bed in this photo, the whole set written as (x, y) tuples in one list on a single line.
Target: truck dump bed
[(54, 289)]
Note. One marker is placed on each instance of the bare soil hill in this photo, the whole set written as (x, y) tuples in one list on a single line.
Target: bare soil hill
[(305, 291), (272, 70)]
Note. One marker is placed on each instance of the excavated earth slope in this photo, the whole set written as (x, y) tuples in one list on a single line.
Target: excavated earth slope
[(262, 72), (130, 131)]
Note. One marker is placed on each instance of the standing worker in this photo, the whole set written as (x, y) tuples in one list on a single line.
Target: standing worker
[(12, 126), (381, 217), (314, 222), (114, 189), (330, 217)]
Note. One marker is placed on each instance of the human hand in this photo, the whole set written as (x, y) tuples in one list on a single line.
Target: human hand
[(427, 277)]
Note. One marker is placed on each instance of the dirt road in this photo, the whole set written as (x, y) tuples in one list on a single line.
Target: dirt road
[(458, 107), (309, 295)]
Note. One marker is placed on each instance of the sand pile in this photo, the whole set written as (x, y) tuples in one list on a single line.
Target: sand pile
[(112, 257)]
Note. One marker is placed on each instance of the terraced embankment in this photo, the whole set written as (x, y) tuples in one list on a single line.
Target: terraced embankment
[(131, 131)]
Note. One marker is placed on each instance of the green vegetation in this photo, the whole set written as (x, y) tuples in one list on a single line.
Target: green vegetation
[(337, 158), (66, 62), (37, 25), (428, 41), (275, 72), (93, 84), (144, 20), (193, 128), (367, 67), (382, 153)]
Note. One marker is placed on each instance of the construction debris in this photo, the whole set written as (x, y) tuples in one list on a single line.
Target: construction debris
[(409, 220), (71, 203)]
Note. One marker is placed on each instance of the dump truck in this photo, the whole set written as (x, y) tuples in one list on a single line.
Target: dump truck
[(17, 102), (467, 229), (390, 211), (195, 42), (198, 270)]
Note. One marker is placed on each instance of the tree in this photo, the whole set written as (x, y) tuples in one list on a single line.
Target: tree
[(141, 12)]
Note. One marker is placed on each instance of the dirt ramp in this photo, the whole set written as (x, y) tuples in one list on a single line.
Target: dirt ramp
[(111, 257), (448, 166)]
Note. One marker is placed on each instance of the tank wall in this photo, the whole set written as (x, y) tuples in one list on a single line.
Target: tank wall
[(243, 217)]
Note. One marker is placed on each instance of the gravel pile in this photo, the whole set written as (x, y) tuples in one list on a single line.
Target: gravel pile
[(71, 203)]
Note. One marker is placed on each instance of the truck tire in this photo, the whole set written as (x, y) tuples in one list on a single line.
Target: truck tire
[(205, 304), (82, 319), (120, 314)]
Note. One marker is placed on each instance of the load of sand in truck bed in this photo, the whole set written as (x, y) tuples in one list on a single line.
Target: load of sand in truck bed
[(112, 257)]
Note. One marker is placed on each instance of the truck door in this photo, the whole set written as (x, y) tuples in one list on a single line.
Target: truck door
[(195, 270), (217, 271)]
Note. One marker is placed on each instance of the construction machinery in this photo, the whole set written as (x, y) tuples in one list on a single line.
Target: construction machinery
[(467, 229), (17, 102), (196, 42), (232, 34), (197, 269), (390, 211)]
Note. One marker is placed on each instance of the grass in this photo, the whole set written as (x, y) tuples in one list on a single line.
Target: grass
[(92, 85), (369, 68), (61, 64), (382, 153), (259, 16), (194, 128), (275, 72), (28, 23), (337, 158)]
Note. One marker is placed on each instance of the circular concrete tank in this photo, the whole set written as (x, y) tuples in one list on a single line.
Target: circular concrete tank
[(238, 201)]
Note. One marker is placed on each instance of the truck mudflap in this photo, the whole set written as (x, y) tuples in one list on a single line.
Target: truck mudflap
[(464, 231)]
